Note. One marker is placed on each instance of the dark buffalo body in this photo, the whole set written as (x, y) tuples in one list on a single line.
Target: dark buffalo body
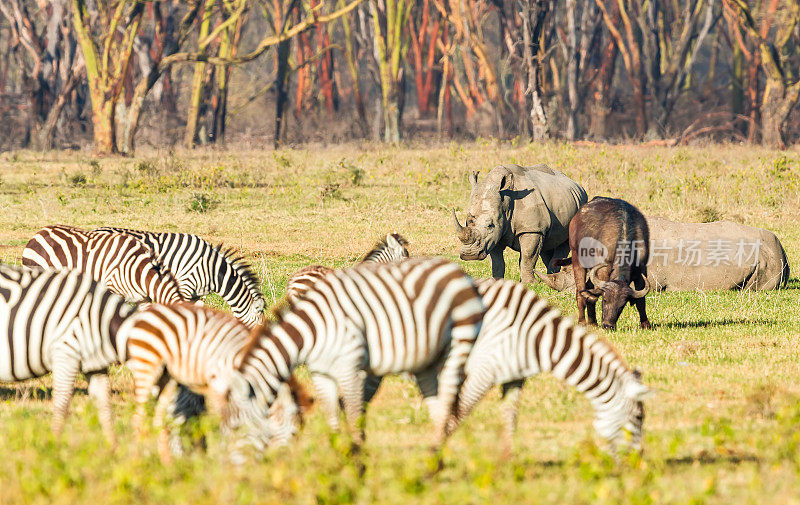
[(609, 241)]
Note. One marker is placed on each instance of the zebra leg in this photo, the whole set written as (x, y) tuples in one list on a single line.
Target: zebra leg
[(475, 387), (328, 394), (65, 369), (145, 379), (352, 386), (371, 385), (428, 383), (451, 378), (100, 391), (187, 405), (511, 394), (165, 401)]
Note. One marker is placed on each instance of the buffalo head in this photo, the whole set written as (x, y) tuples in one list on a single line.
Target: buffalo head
[(616, 293)]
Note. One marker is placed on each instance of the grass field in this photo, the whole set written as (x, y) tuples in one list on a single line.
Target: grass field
[(723, 428)]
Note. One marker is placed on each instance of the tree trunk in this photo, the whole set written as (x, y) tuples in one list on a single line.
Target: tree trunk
[(198, 81), (601, 98), (352, 67), (104, 123), (281, 84), (776, 108), (572, 70)]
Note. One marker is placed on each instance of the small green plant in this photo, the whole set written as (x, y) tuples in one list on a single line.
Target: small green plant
[(95, 166), (201, 203), (709, 214), (282, 160), (781, 166), (77, 180), (331, 190), (355, 174)]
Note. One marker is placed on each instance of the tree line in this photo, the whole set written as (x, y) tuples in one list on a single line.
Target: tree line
[(663, 70)]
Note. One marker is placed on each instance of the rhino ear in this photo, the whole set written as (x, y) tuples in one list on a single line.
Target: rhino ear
[(506, 182), (473, 178)]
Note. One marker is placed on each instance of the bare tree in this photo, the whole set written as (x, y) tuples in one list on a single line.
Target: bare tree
[(44, 48), (777, 50)]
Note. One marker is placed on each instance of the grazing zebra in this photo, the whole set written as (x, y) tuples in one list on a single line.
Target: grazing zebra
[(388, 250), (118, 262), (62, 322), (196, 346), (201, 268), (419, 315), (522, 336)]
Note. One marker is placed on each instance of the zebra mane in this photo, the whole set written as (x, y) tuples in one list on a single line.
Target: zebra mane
[(279, 310), (241, 266), (256, 332), (382, 245)]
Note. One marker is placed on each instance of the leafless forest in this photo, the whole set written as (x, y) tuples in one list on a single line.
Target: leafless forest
[(111, 74)]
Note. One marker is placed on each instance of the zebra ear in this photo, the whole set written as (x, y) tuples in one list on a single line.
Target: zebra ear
[(392, 242), (637, 391)]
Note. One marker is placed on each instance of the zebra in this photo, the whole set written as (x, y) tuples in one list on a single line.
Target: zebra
[(62, 322), (201, 268), (194, 346), (119, 262), (522, 336), (420, 315), (388, 250)]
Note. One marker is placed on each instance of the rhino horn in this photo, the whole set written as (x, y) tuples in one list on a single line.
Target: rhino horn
[(640, 293), (593, 275), (463, 232), (473, 179)]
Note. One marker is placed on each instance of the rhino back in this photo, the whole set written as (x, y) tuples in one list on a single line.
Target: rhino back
[(558, 193), (674, 266)]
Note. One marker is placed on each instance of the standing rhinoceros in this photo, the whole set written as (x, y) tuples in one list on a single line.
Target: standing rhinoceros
[(525, 208), (721, 255)]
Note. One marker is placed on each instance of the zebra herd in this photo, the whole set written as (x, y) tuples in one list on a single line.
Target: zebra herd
[(65, 312)]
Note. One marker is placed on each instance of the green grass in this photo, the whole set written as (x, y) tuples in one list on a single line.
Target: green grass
[(723, 427)]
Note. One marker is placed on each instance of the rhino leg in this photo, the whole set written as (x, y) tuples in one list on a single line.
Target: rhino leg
[(530, 246), (498, 263)]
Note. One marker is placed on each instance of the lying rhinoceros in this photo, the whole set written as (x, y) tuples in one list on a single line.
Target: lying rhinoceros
[(705, 256), (525, 208)]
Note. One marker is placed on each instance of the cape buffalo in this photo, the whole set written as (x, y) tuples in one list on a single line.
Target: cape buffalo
[(609, 241)]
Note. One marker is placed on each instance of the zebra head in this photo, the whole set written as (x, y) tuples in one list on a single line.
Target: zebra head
[(259, 424), (388, 250), (622, 419)]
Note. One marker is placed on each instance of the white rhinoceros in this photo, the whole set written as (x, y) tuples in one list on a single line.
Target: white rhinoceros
[(525, 208)]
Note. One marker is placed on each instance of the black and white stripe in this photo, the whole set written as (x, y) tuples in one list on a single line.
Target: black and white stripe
[(196, 346), (388, 250), (419, 315), (523, 335), (62, 322), (201, 268), (119, 262)]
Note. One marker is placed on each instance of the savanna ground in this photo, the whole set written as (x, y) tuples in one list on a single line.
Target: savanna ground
[(724, 426)]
